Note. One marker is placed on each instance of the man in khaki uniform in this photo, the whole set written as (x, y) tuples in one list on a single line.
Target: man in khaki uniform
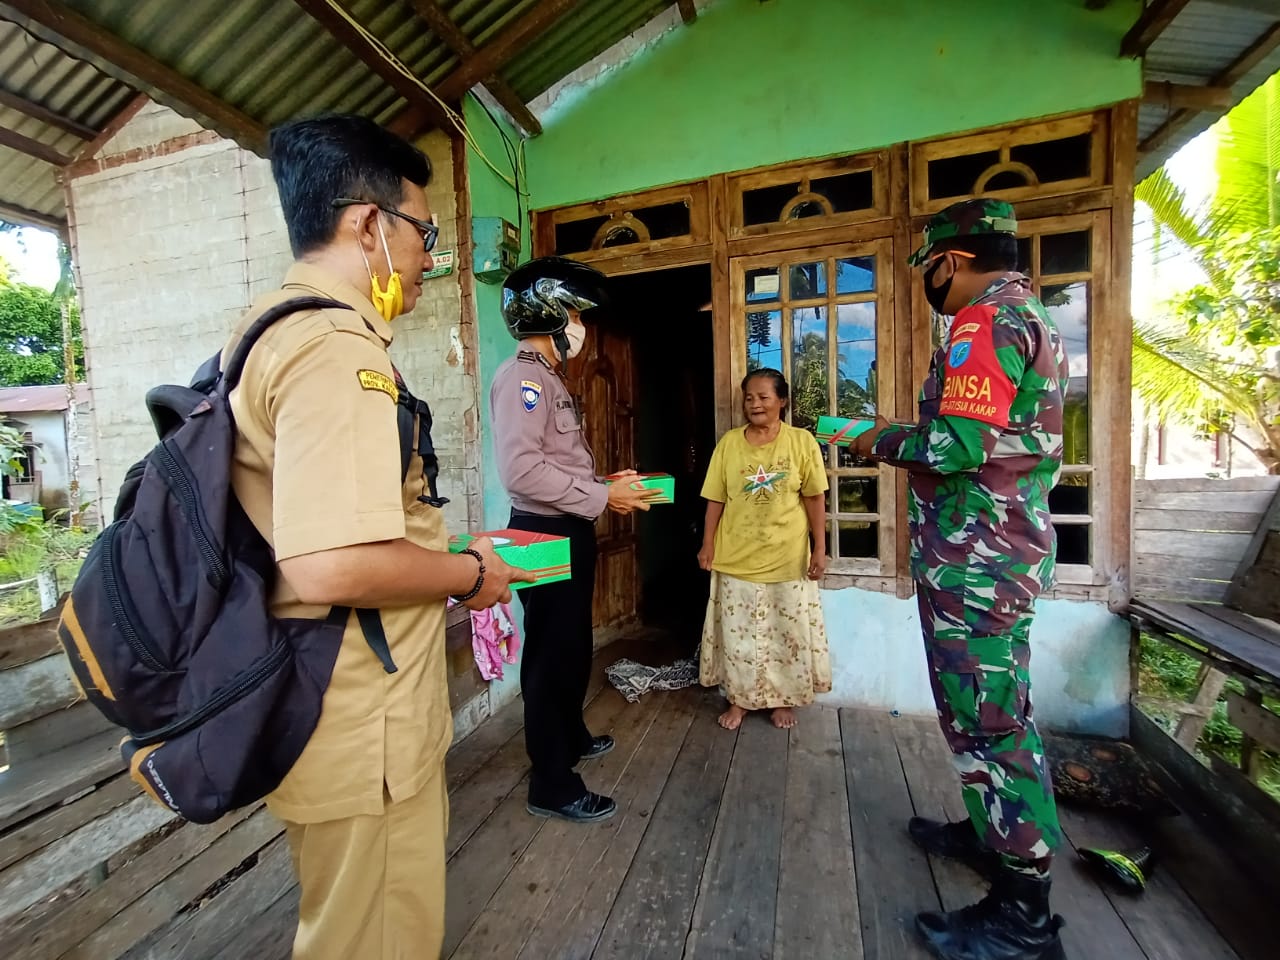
[(318, 470)]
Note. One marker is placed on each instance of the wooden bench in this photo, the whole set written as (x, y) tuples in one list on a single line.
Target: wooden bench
[(91, 869), (1187, 535)]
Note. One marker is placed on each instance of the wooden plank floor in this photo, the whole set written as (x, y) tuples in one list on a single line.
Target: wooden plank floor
[(755, 844)]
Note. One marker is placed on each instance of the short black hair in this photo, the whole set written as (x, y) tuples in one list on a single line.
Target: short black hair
[(317, 160), (768, 373), (992, 252)]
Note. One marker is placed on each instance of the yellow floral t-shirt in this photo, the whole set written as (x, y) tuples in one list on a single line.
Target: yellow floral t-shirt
[(764, 533)]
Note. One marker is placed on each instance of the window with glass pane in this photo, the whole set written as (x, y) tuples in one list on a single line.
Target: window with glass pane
[(814, 317), (1060, 261)]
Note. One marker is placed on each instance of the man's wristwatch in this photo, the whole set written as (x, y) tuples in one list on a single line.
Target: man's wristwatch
[(479, 578)]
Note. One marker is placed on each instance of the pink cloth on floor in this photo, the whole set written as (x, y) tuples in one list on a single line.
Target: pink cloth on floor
[(494, 640)]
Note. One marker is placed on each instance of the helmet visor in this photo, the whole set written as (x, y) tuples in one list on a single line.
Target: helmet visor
[(558, 290)]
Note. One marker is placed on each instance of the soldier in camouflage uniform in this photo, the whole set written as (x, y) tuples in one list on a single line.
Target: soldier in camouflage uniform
[(981, 461)]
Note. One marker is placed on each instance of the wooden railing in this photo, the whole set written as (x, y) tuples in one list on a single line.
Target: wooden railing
[(1189, 536)]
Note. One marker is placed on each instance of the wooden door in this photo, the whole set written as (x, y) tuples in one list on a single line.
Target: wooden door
[(602, 379)]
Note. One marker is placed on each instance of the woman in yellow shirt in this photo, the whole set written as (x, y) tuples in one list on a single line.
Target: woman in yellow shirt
[(764, 640)]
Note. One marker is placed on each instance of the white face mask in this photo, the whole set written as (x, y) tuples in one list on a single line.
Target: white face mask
[(576, 333)]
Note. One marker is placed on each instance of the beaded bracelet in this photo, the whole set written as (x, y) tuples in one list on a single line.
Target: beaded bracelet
[(479, 579)]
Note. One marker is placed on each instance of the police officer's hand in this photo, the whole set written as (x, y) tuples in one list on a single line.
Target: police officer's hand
[(498, 577), (624, 498), (864, 443)]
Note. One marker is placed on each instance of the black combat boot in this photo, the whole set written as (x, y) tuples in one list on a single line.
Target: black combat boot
[(1012, 922), (958, 841)]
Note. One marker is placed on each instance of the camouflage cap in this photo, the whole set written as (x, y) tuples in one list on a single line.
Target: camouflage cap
[(965, 219)]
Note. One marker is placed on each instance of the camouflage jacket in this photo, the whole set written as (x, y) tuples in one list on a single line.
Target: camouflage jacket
[(987, 449)]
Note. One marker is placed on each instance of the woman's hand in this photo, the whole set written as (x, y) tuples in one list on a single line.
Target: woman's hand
[(706, 556), (817, 566)]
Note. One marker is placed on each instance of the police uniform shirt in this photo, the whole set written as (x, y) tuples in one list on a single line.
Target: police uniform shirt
[(317, 467), (543, 459)]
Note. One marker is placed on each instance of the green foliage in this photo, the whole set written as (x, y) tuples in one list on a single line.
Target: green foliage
[(1166, 673), (1211, 361), (38, 547), (31, 347)]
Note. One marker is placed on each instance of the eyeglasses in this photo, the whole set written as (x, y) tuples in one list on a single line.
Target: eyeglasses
[(430, 232)]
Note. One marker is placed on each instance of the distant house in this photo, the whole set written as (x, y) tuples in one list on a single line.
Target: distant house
[(55, 442)]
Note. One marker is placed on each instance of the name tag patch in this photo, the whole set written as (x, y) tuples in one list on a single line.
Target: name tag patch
[(530, 394), (373, 380)]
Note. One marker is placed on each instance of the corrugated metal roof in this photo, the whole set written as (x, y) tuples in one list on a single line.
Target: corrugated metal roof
[(588, 30), (46, 399), (271, 60), (43, 74), (1203, 42)]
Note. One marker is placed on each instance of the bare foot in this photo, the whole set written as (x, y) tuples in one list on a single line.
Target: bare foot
[(732, 718), (783, 718)]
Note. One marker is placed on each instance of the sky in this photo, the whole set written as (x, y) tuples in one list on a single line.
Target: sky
[(1158, 276), (32, 255)]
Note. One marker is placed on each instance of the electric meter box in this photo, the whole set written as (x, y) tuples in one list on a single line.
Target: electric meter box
[(496, 244)]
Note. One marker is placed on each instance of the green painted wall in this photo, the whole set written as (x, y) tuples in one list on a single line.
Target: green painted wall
[(490, 197), (753, 83)]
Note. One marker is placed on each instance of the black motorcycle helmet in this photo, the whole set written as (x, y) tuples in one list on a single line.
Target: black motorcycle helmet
[(536, 297)]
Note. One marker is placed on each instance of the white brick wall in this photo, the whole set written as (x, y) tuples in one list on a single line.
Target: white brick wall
[(172, 250)]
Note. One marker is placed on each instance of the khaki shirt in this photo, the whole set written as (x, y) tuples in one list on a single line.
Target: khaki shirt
[(317, 466), (543, 459)]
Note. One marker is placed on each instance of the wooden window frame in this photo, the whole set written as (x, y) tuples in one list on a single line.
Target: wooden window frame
[(884, 565), (1002, 140), (876, 162), (695, 195)]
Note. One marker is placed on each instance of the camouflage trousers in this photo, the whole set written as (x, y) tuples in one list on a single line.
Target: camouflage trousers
[(979, 659)]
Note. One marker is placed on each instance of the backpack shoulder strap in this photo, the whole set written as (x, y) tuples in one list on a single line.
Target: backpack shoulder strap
[(232, 370)]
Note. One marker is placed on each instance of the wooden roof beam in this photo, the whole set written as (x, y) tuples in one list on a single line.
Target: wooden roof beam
[(1154, 20), (688, 12), (1185, 95), (498, 52), (83, 39), (1256, 52), (342, 30), (32, 148), (448, 31), (37, 111), (12, 213)]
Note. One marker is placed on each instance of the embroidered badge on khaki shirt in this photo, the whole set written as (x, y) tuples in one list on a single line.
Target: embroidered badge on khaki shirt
[(373, 380)]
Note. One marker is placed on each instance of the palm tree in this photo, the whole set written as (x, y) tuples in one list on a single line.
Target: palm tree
[(1211, 360)]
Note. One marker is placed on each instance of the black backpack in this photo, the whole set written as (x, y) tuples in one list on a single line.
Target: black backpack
[(168, 627)]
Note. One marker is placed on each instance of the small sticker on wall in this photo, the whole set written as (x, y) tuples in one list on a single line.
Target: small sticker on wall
[(442, 265)]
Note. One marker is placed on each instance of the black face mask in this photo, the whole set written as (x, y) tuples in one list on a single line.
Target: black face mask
[(937, 296)]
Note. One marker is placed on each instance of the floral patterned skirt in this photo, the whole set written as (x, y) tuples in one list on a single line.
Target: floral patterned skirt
[(765, 643)]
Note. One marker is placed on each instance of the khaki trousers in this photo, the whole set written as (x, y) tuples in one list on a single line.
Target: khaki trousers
[(373, 886)]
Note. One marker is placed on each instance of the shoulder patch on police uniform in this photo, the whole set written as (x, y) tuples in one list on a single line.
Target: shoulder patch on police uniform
[(530, 394), (373, 380)]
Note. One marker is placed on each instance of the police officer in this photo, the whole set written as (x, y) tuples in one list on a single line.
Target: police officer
[(550, 474), (981, 462)]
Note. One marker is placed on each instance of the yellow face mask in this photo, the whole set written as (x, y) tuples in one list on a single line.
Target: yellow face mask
[(389, 302)]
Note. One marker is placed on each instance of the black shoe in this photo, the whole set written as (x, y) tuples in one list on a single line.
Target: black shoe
[(956, 841), (588, 808), (599, 747), (1012, 922)]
